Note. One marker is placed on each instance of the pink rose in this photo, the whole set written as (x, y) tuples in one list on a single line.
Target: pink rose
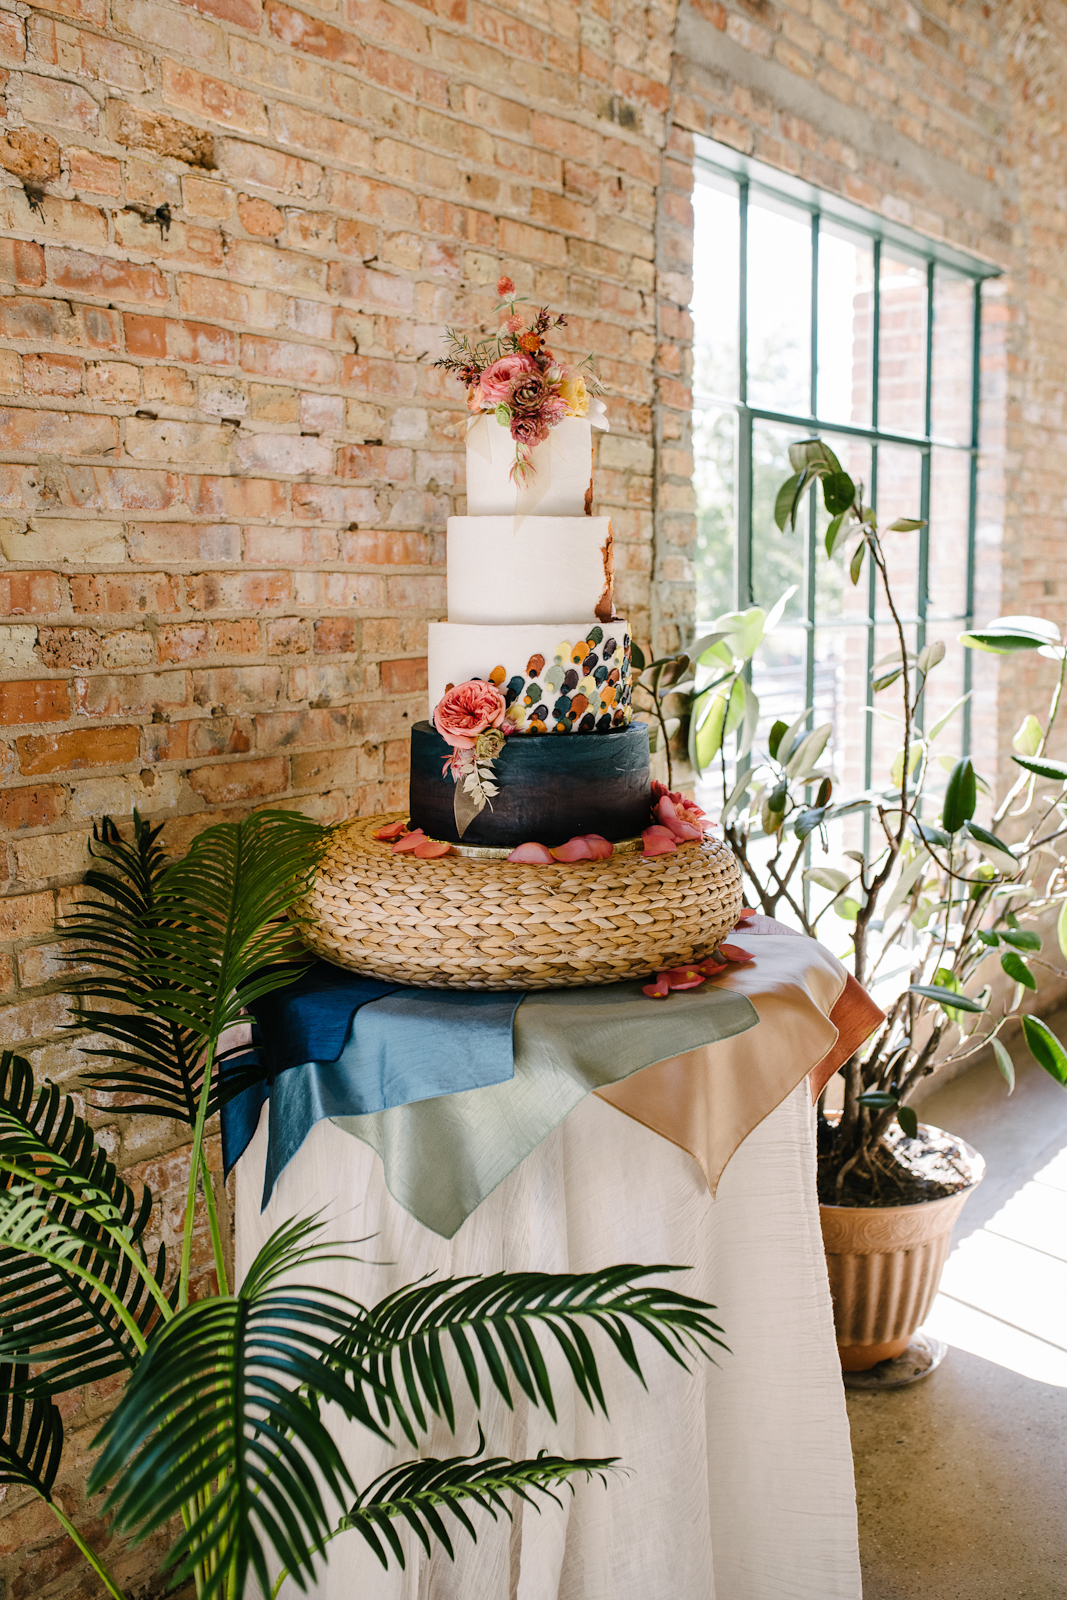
[(494, 385), (681, 816), (467, 710)]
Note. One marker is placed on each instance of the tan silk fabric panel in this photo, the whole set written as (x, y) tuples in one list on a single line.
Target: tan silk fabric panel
[(709, 1100)]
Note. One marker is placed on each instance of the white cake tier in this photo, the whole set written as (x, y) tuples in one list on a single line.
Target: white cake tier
[(527, 569), (558, 677), (562, 485)]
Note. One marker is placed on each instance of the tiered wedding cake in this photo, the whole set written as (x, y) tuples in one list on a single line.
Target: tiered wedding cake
[(535, 850), (531, 615)]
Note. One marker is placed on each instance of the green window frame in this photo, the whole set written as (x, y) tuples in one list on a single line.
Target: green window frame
[(762, 186)]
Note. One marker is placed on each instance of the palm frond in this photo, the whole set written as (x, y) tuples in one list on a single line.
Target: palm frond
[(171, 943), (59, 1284), (219, 1408), (31, 1436), (402, 1339), (419, 1491)]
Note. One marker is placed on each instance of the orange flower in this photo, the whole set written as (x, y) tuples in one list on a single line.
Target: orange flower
[(530, 342)]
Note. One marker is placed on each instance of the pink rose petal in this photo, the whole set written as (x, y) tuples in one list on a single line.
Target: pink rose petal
[(682, 830), (657, 990), (535, 855), (599, 847), (746, 912), (427, 849), (658, 841), (410, 841), (576, 849), (683, 978), (395, 830), (734, 952)]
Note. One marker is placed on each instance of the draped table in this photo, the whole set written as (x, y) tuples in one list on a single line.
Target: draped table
[(562, 1137)]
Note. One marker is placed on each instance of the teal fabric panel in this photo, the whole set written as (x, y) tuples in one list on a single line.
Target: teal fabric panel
[(444, 1155)]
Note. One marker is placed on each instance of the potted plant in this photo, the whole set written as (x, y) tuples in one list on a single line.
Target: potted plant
[(951, 911), (217, 1426)]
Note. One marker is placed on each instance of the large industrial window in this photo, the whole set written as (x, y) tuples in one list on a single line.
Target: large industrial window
[(813, 316)]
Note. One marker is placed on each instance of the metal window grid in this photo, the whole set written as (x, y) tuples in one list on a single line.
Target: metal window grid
[(752, 180)]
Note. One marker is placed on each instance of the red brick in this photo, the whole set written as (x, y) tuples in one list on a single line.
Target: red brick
[(242, 13), (334, 635), (61, 432), (22, 262), (110, 280), (32, 806), (403, 677), (213, 99), (43, 700), (74, 751), (24, 594), (175, 340), (244, 780), (52, 374), (317, 38), (22, 916)]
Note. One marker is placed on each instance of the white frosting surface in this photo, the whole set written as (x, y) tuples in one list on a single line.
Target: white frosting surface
[(457, 652), (563, 468), (527, 569)]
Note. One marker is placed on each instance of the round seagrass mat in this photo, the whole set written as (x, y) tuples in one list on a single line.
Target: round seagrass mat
[(462, 923)]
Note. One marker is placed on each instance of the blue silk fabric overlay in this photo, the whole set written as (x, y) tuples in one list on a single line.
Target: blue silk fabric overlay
[(452, 1088)]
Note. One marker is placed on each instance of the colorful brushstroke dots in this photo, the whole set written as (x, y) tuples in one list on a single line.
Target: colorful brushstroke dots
[(586, 689)]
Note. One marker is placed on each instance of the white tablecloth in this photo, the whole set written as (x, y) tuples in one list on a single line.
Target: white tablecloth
[(739, 1482)]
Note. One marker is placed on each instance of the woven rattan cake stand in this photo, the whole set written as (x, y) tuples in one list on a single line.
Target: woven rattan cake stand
[(458, 922)]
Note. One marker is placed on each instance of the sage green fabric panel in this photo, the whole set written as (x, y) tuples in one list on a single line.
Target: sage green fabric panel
[(443, 1156)]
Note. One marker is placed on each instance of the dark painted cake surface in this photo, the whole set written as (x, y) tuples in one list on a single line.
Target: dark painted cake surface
[(552, 787)]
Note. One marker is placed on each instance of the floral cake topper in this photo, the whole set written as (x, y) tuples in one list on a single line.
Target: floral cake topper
[(514, 375)]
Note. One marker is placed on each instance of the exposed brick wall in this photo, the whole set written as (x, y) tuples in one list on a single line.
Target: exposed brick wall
[(231, 234)]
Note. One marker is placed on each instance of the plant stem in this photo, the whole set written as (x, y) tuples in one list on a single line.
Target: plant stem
[(213, 1222), (194, 1173), (90, 1555)]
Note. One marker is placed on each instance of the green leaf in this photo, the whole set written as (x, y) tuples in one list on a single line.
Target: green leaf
[(31, 1436), (1044, 767), (945, 997), (46, 1313), (1045, 1048), (1008, 634), (838, 493), (886, 679), (846, 908), (1061, 929), (749, 719), (784, 500), (777, 611), (1022, 939), (706, 732), (908, 1121), (987, 937), (926, 830), (808, 751), (942, 722), (813, 453), (774, 738), (417, 1491), (637, 657), (1016, 968), (931, 656), (807, 821), (855, 566), (961, 797), (906, 525), (876, 1099), (1028, 739), (905, 883), (833, 532), (999, 853), (1004, 1063), (827, 878)]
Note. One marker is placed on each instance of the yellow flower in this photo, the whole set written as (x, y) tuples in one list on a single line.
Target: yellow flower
[(572, 389)]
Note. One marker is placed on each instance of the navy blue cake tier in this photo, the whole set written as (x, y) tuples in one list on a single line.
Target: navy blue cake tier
[(552, 787)]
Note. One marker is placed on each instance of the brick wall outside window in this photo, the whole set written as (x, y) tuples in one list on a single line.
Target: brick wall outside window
[(231, 234)]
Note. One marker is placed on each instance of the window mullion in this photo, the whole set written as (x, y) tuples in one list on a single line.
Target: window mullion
[(972, 506)]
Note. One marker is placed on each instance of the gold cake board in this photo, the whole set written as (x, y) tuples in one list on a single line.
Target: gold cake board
[(465, 922)]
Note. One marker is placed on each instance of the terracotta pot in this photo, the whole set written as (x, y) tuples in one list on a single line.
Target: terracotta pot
[(885, 1265)]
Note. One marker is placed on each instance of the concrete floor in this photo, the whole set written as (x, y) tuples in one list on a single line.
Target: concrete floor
[(962, 1477)]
